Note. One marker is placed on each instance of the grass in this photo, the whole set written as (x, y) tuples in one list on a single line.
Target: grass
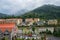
[(20, 39)]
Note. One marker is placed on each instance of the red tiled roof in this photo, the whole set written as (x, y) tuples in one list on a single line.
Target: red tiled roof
[(8, 26)]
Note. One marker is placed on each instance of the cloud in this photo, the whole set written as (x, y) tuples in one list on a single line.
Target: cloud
[(12, 6)]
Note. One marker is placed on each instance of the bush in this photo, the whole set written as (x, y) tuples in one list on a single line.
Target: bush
[(3, 38), (20, 39), (56, 33), (33, 39), (28, 39), (48, 31)]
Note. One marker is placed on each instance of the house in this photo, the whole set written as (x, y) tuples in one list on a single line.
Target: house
[(11, 20), (41, 22), (42, 29), (20, 33), (17, 21), (8, 30), (29, 21), (52, 22), (36, 19), (2, 20), (23, 24)]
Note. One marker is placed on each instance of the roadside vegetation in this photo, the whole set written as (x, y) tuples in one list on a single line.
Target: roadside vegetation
[(56, 32)]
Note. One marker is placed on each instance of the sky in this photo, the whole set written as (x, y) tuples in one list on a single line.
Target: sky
[(13, 6)]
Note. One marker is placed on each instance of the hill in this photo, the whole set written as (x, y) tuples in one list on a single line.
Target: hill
[(3, 15), (45, 11)]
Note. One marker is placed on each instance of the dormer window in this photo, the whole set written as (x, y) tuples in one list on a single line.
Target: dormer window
[(6, 32), (0, 32)]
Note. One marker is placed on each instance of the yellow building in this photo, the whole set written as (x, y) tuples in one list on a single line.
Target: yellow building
[(36, 19), (29, 20)]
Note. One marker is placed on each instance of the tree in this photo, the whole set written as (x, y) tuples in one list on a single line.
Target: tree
[(33, 29), (28, 39), (33, 39), (48, 31), (34, 23), (56, 32)]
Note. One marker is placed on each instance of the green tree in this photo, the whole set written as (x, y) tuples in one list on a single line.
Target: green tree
[(56, 32), (33, 39), (48, 31), (33, 29)]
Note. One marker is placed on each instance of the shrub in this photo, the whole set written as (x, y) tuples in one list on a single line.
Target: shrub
[(48, 31), (56, 33), (33, 39)]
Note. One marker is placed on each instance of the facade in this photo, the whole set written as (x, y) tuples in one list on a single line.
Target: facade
[(42, 29), (32, 20), (36, 19), (2, 20), (40, 23), (8, 30), (17, 21), (29, 21), (52, 22)]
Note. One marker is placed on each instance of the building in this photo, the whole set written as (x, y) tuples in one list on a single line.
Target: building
[(15, 20), (29, 21), (8, 30), (43, 29), (52, 22), (41, 22), (19, 21), (36, 19), (2, 20)]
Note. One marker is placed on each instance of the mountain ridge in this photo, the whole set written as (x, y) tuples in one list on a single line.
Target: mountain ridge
[(45, 11), (3, 15)]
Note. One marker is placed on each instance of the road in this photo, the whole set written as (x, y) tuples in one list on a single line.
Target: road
[(53, 38)]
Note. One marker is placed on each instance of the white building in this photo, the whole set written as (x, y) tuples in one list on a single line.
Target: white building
[(52, 22)]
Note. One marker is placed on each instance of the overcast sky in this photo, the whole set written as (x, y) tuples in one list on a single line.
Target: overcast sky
[(12, 6)]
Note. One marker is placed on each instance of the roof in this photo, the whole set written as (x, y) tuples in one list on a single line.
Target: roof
[(7, 26), (15, 18)]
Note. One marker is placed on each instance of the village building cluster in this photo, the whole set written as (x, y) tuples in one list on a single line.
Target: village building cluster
[(29, 21), (9, 29)]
